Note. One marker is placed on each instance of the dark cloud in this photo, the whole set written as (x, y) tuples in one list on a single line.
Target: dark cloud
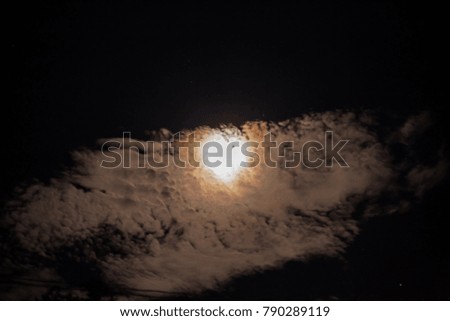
[(147, 231)]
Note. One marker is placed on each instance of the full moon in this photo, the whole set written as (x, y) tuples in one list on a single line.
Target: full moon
[(222, 156)]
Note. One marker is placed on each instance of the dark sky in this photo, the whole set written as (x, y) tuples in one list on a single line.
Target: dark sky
[(81, 70)]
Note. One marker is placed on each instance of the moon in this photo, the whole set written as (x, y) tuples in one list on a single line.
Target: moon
[(227, 165)]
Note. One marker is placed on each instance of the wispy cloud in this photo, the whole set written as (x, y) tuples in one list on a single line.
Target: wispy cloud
[(174, 230)]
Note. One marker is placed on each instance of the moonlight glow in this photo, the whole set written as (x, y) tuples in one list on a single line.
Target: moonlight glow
[(226, 164)]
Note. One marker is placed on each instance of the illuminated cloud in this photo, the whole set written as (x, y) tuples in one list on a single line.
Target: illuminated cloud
[(183, 230)]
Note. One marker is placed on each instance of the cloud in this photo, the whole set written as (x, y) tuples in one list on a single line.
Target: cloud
[(160, 231)]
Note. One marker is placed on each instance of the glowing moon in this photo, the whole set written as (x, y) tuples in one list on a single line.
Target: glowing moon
[(226, 165)]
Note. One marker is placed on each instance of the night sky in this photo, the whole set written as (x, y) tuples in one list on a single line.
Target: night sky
[(78, 71)]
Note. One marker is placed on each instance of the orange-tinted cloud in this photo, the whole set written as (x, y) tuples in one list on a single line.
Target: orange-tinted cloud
[(174, 230)]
